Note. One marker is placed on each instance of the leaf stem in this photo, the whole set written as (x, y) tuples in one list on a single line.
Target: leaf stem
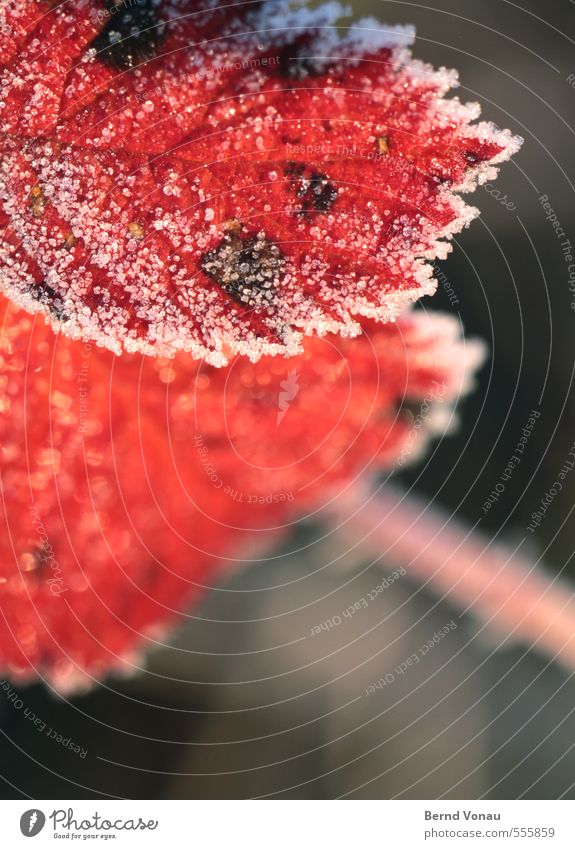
[(512, 594)]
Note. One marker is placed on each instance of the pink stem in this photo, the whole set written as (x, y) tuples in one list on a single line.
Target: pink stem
[(510, 593)]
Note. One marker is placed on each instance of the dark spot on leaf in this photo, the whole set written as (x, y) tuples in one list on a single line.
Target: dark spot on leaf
[(47, 296), (247, 268), (409, 408), (131, 35), (312, 187), (383, 145), (294, 169), (41, 556), (37, 202), (69, 241)]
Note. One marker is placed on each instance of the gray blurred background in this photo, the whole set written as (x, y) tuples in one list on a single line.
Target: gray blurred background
[(246, 702)]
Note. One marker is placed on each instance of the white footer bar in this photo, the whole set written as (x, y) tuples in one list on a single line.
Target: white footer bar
[(289, 824)]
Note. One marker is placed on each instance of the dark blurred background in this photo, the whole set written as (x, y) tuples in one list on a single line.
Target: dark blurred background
[(244, 703)]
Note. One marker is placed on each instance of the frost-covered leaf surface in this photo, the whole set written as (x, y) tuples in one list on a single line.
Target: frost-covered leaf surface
[(222, 179)]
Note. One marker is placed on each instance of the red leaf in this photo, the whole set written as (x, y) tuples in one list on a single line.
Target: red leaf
[(224, 181), (129, 484)]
